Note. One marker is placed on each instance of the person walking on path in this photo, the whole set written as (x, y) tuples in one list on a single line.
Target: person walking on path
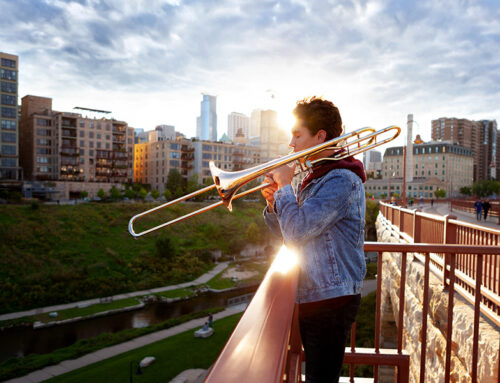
[(210, 320), (486, 208), (324, 223), (479, 207)]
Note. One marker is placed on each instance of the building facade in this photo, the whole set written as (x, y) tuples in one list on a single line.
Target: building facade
[(235, 122), (63, 146), (9, 129), (273, 141), (372, 161), (154, 160), (479, 136), (450, 165), (206, 123)]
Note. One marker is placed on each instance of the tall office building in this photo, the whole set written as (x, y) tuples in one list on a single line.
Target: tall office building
[(9, 137), (479, 136), (206, 128), (372, 160), (255, 123), (235, 122), (273, 141)]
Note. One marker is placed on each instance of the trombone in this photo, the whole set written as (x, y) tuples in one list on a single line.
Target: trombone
[(228, 183)]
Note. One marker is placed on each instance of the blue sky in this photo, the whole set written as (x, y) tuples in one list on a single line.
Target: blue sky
[(149, 61)]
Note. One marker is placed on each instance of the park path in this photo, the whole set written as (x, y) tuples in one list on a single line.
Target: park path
[(108, 352), (198, 281)]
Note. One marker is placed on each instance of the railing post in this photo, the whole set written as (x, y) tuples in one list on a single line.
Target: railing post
[(417, 223), (401, 221), (449, 237)]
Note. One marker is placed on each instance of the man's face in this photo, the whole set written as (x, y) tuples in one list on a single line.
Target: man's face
[(303, 139)]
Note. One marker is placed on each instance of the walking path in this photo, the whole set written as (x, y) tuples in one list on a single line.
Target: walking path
[(108, 352), (199, 281), (444, 209)]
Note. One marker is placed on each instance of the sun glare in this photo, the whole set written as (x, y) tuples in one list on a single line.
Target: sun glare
[(285, 260)]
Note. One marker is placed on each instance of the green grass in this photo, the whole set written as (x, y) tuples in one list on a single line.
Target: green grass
[(173, 355), (371, 270), (219, 283), (14, 367), (62, 254)]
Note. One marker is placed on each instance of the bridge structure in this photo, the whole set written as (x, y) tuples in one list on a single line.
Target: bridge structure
[(266, 347)]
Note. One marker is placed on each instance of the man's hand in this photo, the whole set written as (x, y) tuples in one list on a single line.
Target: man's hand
[(283, 175), (269, 191)]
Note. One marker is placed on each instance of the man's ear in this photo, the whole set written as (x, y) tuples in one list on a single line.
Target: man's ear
[(321, 135)]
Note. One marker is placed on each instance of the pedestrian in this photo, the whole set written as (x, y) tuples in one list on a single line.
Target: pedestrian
[(432, 201), (324, 223), (479, 207), (421, 202), (486, 208), (210, 320)]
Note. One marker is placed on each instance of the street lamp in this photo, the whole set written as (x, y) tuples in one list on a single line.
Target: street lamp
[(131, 370)]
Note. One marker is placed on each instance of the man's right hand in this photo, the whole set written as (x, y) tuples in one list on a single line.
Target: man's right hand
[(269, 191)]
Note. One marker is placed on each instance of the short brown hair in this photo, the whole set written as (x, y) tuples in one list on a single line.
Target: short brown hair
[(318, 114)]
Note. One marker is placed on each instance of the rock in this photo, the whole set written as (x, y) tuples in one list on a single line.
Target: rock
[(147, 361)]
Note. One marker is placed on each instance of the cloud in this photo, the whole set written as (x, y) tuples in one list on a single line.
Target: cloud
[(388, 57)]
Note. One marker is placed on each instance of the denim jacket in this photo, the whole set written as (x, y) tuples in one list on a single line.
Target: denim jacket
[(326, 228)]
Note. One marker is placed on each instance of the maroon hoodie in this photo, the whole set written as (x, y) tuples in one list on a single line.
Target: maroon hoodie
[(349, 163)]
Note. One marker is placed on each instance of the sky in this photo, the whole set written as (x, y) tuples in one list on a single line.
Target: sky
[(149, 61)]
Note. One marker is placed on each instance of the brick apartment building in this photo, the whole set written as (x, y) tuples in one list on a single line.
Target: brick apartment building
[(479, 136), (86, 153)]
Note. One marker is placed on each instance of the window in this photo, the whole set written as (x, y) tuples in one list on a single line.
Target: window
[(175, 155), (9, 149), (206, 156), (9, 125), (91, 125), (91, 154), (174, 163), (82, 152), (91, 134), (8, 137), (174, 146), (91, 144), (98, 136), (42, 141), (9, 162), (107, 137), (107, 145), (82, 124), (7, 74), (206, 148), (98, 144), (9, 112), (42, 160), (8, 62), (9, 87), (82, 133), (9, 100)]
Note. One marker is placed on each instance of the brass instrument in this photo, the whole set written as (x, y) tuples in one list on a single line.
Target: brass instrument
[(228, 183)]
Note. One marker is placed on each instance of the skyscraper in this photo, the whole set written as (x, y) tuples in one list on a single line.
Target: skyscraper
[(9, 137), (235, 122), (207, 122)]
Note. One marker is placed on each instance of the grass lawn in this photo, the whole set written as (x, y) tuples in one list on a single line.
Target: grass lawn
[(219, 283), (173, 355)]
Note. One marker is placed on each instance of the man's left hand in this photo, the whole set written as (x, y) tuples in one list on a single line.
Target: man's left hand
[(283, 175)]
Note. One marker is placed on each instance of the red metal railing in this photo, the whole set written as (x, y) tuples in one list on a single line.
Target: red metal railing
[(468, 206), (265, 345), (429, 228)]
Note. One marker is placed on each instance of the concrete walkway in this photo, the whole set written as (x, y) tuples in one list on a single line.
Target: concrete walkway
[(105, 353), (199, 281), (444, 209)]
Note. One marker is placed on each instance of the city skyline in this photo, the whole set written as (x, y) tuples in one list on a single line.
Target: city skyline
[(377, 60)]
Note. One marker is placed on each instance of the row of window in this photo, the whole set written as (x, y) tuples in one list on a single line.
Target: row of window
[(8, 87), (8, 99), (7, 74), (396, 187), (9, 112), (9, 162), (8, 137), (9, 150), (8, 62), (8, 125)]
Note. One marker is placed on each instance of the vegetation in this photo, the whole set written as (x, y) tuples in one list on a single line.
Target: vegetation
[(372, 209), (440, 193), (61, 254), (21, 366), (173, 355), (467, 191), (485, 188)]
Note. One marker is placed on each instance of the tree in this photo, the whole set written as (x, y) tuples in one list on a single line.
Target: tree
[(174, 183), (166, 248), (142, 193), (115, 193), (129, 193), (485, 188), (155, 194), (167, 194), (466, 190), (84, 194), (440, 193), (253, 233), (101, 194)]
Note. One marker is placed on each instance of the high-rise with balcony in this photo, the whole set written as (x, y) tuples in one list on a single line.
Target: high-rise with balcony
[(64, 146), (206, 128), (9, 137), (479, 136)]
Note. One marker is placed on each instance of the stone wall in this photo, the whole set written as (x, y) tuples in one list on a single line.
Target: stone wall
[(463, 319)]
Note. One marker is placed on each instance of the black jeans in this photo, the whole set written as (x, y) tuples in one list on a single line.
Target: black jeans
[(324, 331)]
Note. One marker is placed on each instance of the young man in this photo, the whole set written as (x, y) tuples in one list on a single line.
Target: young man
[(324, 223)]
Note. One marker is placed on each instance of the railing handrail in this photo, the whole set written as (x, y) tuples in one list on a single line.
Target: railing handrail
[(430, 248)]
